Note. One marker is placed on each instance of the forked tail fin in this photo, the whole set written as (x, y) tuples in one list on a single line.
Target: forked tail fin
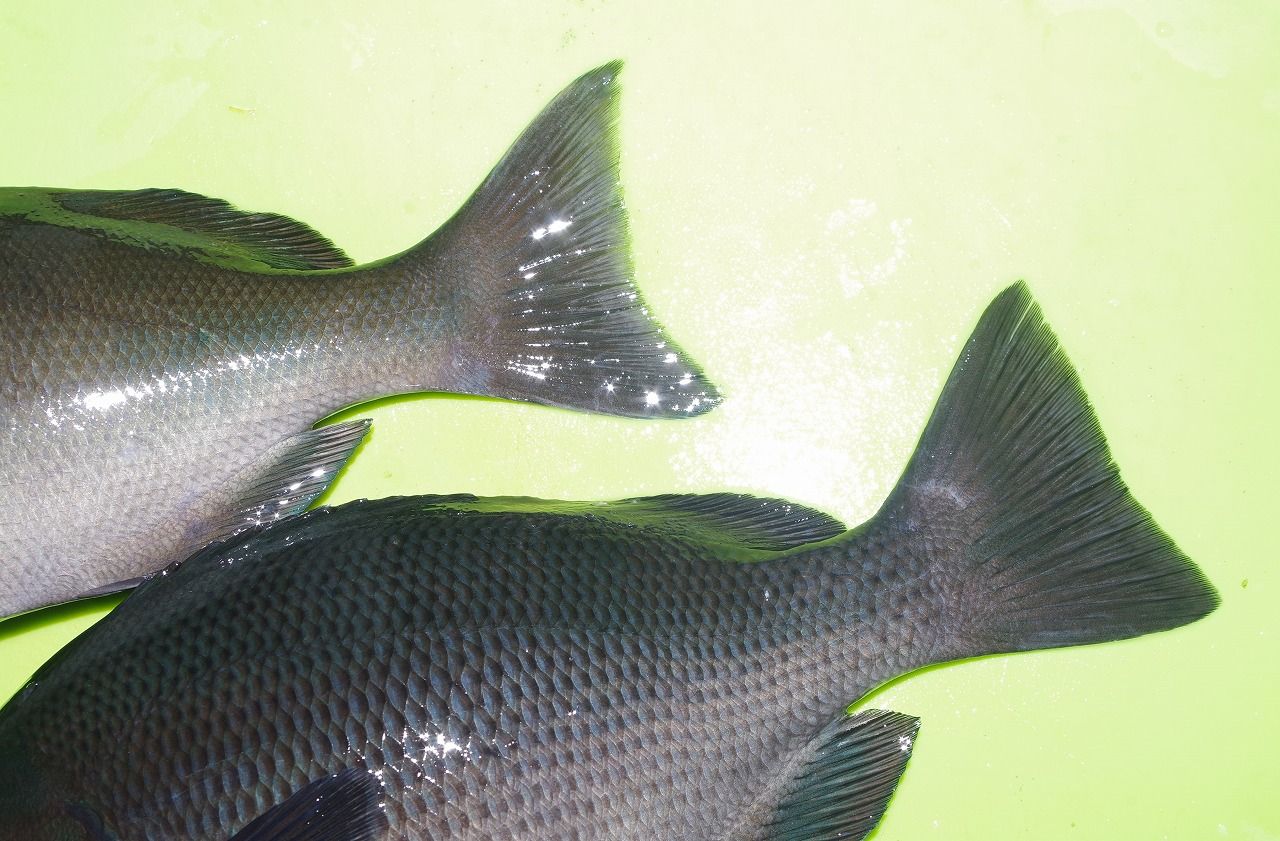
[(1014, 499), (539, 266)]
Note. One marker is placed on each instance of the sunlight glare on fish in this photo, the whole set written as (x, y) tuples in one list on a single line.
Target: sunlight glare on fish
[(554, 228), (102, 400)]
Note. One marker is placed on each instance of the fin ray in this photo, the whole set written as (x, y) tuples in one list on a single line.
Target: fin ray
[(741, 520), (1048, 544), (344, 807), (181, 222), (842, 789), (288, 478), (555, 316)]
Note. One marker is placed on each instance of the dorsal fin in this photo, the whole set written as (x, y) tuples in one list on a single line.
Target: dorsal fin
[(753, 522), (182, 222), (741, 520)]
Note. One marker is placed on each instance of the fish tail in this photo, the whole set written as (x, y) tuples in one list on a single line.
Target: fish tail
[(1014, 502), (537, 267)]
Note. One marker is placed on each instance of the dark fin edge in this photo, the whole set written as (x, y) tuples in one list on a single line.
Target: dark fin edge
[(344, 807), (553, 315), (224, 234), (842, 791), (1013, 464)]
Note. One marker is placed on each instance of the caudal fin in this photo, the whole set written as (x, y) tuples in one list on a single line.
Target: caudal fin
[(547, 308), (1014, 497)]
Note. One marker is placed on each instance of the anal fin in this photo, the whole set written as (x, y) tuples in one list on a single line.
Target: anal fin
[(282, 483), (289, 477), (344, 807), (840, 791)]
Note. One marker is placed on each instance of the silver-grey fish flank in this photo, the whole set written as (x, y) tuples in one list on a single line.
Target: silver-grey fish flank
[(166, 355), (672, 667)]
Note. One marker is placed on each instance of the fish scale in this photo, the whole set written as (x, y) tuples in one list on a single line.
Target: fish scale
[(400, 674), (666, 667), (169, 354)]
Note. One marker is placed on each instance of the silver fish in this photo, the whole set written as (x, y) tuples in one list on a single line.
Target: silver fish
[(166, 354), (659, 668)]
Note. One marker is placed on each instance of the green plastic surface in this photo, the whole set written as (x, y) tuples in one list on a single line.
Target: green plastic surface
[(823, 199)]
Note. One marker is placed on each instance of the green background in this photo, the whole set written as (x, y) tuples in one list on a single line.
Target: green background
[(823, 198)]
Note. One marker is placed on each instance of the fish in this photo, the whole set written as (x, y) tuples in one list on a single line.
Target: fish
[(675, 666), (168, 355)]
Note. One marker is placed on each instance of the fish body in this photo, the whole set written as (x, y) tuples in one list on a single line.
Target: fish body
[(668, 667), (545, 673), (167, 354)]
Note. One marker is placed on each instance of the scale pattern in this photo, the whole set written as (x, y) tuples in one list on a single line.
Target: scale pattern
[(505, 675), (159, 345), (141, 386)]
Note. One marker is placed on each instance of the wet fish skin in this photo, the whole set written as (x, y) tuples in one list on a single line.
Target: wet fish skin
[(503, 652), (654, 668), (166, 355)]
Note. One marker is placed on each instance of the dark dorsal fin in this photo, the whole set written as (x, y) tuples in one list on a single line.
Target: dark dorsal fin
[(344, 807), (756, 522), (740, 520), (277, 241), (182, 222), (843, 788), (753, 522)]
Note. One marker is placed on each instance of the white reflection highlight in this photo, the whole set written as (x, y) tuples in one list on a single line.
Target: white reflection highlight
[(554, 228), (103, 400), (173, 384), (444, 746)]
